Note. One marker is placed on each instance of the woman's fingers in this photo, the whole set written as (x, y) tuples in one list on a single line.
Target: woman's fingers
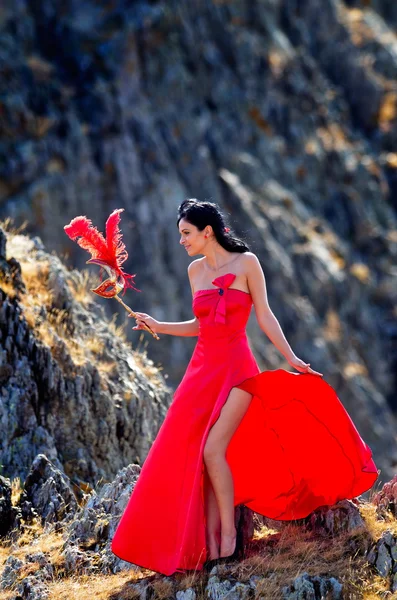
[(310, 370)]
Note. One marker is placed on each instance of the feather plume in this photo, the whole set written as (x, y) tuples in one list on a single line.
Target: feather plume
[(89, 237), (110, 252)]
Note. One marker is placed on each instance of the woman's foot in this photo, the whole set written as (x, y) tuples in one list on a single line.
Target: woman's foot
[(228, 544), (213, 548)]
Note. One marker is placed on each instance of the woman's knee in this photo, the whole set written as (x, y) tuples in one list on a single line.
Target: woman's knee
[(211, 452)]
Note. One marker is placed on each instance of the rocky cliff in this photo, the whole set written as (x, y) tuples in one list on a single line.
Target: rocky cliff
[(282, 111), (71, 387)]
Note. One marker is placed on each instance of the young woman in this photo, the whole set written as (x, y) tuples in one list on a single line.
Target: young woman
[(279, 442)]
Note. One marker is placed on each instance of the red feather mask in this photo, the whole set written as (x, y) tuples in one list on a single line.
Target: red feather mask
[(109, 253)]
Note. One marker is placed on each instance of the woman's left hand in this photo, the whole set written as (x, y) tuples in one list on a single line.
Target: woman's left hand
[(302, 367)]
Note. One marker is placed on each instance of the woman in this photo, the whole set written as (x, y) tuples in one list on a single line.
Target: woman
[(279, 442)]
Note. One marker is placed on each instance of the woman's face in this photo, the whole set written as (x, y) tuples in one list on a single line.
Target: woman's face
[(192, 239)]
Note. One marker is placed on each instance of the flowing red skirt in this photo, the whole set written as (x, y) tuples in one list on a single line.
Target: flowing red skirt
[(296, 449)]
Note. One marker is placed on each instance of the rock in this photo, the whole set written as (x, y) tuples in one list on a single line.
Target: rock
[(87, 418), (77, 561), (10, 573), (46, 570), (94, 524), (218, 589), (313, 588), (48, 492), (331, 520), (188, 594), (244, 522), (281, 112), (31, 588), (383, 556), (6, 509), (386, 499)]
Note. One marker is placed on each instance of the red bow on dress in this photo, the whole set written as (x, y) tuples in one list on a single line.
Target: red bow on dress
[(223, 282)]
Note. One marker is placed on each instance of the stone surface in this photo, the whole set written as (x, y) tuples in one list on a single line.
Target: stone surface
[(383, 556), (71, 389), (89, 535), (6, 509), (48, 492), (386, 499), (313, 588), (332, 520)]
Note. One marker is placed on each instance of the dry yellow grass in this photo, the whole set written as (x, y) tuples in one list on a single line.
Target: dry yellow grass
[(332, 330), (81, 283), (10, 228), (361, 272)]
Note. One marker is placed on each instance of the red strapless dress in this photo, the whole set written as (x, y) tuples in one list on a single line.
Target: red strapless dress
[(295, 449)]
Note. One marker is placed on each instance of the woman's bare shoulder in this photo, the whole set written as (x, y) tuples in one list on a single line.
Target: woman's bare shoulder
[(195, 265), (249, 258)]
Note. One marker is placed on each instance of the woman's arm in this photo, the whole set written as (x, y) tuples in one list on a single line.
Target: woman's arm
[(181, 328), (266, 319), (264, 314)]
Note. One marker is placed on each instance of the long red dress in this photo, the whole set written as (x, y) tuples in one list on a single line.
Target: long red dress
[(295, 449)]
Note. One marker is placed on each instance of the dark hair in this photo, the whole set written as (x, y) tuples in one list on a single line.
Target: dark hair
[(202, 214)]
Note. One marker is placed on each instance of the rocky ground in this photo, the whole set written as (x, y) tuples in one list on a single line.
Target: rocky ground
[(55, 546)]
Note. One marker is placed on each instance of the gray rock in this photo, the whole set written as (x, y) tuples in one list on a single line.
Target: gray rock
[(6, 509), (48, 492), (383, 556), (96, 522), (306, 587), (383, 560), (341, 517), (188, 594), (31, 588), (9, 575), (77, 561), (88, 419)]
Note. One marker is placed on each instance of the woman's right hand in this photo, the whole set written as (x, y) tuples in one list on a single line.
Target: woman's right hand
[(142, 318)]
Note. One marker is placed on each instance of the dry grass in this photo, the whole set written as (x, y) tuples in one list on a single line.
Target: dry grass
[(144, 364), (118, 331), (80, 284), (332, 330), (9, 227), (361, 272), (63, 586)]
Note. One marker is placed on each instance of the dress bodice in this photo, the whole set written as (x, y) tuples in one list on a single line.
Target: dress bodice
[(222, 310)]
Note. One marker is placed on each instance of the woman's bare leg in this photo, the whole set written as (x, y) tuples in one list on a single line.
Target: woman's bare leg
[(218, 469), (212, 516)]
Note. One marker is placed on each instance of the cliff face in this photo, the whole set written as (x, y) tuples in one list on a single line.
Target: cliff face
[(283, 112), (71, 388)]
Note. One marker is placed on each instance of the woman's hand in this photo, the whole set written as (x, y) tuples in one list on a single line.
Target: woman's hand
[(142, 318), (301, 366)]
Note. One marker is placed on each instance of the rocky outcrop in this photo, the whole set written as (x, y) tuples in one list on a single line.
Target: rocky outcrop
[(47, 493), (316, 588), (386, 499), (71, 388), (333, 520), (33, 586), (383, 556), (88, 532)]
